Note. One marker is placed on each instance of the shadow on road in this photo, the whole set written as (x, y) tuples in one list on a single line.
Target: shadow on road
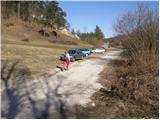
[(25, 95), (16, 94)]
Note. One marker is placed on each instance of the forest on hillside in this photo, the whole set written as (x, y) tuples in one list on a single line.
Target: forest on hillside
[(44, 12), (49, 14)]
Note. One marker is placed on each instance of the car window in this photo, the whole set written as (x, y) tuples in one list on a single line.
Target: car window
[(100, 48), (71, 51), (82, 49), (78, 52)]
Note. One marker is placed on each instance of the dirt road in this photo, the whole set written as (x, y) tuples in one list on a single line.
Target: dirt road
[(50, 93)]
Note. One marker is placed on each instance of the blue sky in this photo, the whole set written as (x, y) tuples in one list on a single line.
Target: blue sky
[(85, 15)]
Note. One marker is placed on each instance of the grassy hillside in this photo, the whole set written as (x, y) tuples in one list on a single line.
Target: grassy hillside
[(21, 41)]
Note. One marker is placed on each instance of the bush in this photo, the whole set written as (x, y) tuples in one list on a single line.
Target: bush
[(141, 32), (92, 39), (138, 89), (95, 42)]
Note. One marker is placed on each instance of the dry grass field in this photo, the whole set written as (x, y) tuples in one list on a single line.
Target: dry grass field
[(21, 41)]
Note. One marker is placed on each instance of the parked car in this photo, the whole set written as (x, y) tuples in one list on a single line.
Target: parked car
[(98, 50), (85, 51), (74, 55)]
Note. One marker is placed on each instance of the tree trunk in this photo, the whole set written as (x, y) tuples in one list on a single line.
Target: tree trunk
[(19, 7)]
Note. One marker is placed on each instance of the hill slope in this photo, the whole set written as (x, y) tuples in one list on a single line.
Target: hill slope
[(22, 41)]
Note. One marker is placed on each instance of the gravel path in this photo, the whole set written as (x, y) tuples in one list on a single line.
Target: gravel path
[(52, 93)]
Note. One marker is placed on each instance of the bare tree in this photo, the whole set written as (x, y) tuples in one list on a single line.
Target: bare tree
[(141, 32)]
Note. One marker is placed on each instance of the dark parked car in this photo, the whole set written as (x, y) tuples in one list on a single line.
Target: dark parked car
[(74, 55), (85, 51)]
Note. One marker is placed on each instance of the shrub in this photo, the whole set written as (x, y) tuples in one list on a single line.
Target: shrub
[(141, 32), (139, 91)]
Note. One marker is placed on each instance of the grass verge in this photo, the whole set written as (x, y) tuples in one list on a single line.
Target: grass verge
[(37, 57)]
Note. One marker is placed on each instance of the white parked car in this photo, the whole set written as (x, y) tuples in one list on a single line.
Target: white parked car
[(98, 50)]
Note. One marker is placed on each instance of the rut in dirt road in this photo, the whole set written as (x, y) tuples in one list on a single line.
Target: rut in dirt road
[(52, 93)]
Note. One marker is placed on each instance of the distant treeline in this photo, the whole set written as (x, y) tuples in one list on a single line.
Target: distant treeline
[(46, 12), (95, 38)]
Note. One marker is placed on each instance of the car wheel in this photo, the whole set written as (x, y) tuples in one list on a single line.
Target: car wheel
[(72, 59)]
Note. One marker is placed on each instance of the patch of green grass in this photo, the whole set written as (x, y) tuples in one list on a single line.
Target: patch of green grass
[(35, 58)]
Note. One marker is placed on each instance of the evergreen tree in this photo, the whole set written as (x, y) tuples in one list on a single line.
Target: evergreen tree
[(73, 31), (48, 12), (54, 15), (98, 33)]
